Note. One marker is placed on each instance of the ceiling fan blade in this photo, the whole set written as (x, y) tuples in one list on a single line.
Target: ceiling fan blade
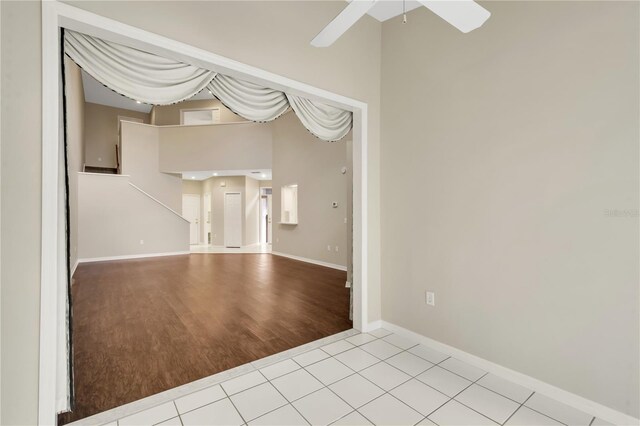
[(341, 23), (465, 15)]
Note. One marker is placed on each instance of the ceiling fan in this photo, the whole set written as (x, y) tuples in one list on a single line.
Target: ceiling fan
[(465, 15)]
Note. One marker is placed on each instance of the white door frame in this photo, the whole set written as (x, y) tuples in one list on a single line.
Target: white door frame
[(199, 218), (56, 15), (206, 217)]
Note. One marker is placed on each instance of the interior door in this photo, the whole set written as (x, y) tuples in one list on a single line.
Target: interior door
[(269, 221), (232, 219), (191, 212)]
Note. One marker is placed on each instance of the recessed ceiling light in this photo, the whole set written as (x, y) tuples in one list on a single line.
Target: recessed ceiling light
[(138, 102), (193, 177), (215, 174), (264, 176)]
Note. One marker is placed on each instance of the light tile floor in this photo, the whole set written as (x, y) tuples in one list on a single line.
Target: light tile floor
[(377, 378)]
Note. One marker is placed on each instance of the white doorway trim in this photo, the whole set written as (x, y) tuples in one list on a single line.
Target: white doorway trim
[(56, 15), (206, 219), (195, 200)]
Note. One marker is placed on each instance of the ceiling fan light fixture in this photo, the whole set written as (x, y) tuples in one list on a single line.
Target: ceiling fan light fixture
[(465, 15)]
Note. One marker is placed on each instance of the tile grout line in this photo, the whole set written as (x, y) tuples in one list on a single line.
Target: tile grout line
[(478, 384), (251, 368), (518, 409), (244, 421), (358, 373), (546, 415), (178, 411), (400, 384), (285, 398), (355, 410), (228, 396)]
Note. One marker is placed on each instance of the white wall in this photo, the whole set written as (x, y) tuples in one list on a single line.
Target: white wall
[(502, 151), (251, 211), (114, 218), (101, 132), (315, 166), (20, 228), (166, 115), (141, 160), (215, 147)]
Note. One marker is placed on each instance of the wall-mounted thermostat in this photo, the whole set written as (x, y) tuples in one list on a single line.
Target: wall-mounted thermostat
[(223, 183), (334, 204)]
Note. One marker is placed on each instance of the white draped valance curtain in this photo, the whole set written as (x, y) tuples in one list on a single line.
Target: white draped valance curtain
[(133, 73), (152, 79)]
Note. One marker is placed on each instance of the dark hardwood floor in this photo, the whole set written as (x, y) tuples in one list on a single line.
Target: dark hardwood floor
[(144, 326)]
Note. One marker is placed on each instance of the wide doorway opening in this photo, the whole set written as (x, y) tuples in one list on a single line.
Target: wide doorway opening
[(199, 240)]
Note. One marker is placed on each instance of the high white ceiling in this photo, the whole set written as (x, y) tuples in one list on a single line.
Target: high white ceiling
[(95, 92), (263, 174), (387, 9)]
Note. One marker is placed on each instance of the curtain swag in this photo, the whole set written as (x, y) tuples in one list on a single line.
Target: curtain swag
[(152, 79), (133, 73)]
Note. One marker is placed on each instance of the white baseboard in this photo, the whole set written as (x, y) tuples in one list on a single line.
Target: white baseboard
[(568, 398), (74, 267), (373, 325), (315, 262), (131, 256)]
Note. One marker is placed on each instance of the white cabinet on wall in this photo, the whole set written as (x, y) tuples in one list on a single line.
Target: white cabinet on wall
[(289, 205)]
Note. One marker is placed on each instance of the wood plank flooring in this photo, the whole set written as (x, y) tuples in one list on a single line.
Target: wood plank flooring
[(144, 326)]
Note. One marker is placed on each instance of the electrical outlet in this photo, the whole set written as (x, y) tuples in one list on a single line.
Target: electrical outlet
[(99, 158), (430, 298), (141, 242), (336, 248), (328, 248)]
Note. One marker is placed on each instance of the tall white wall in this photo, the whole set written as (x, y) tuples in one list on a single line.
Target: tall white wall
[(141, 161), (116, 219), (316, 167), (215, 147), (503, 150)]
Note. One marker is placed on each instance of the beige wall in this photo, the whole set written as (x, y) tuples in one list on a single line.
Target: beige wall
[(502, 151), (271, 35), (315, 166), (101, 133), (216, 147), (192, 187), (163, 115), (141, 161), (20, 228), (115, 219), (75, 146), (251, 211)]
